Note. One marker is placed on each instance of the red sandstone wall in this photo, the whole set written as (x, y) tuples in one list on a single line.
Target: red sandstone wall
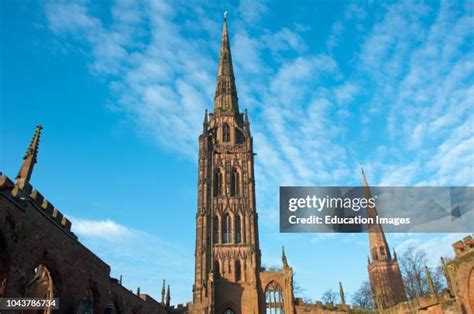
[(31, 236)]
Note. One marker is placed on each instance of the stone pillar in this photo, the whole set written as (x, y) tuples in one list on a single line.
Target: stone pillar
[(219, 229)]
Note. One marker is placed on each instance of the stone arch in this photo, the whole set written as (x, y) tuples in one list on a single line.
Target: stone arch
[(235, 182), (41, 285), (226, 224), (225, 132), (229, 311), (5, 264), (90, 301), (274, 302), (115, 306), (229, 305)]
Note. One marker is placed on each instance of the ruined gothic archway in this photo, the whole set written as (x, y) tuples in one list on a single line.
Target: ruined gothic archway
[(41, 286), (274, 298), (89, 304)]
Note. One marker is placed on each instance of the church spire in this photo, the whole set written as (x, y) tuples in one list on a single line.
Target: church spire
[(379, 249), (225, 99), (29, 160)]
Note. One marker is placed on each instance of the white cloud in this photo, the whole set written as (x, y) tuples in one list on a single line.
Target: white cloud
[(100, 229), (421, 78), (285, 40), (141, 265), (346, 93), (252, 10)]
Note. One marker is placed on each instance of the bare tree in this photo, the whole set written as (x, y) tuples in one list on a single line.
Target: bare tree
[(329, 296), (412, 265), (439, 280), (362, 298)]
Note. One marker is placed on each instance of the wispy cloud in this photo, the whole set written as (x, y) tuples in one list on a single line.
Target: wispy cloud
[(143, 266), (100, 229), (423, 76)]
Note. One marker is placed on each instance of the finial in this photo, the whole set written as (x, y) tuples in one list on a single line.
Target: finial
[(168, 296), (138, 291), (283, 257), (205, 123), (341, 294), (225, 15), (430, 282), (29, 160), (120, 280), (163, 292)]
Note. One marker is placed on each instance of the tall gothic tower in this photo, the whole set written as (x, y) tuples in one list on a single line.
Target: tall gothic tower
[(227, 256), (384, 272)]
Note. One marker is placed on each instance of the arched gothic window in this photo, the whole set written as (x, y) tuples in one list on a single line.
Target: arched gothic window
[(225, 133), (274, 299), (235, 183), (217, 182), (239, 137), (86, 305), (226, 229), (238, 229), (229, 311)]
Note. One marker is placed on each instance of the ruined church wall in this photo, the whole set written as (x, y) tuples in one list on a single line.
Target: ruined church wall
[(32, 233)]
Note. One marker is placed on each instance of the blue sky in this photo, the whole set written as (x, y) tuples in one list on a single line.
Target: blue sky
[(121, 88)]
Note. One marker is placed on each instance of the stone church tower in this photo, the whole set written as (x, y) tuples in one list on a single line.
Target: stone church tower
[(227, 254), (384, 272)]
